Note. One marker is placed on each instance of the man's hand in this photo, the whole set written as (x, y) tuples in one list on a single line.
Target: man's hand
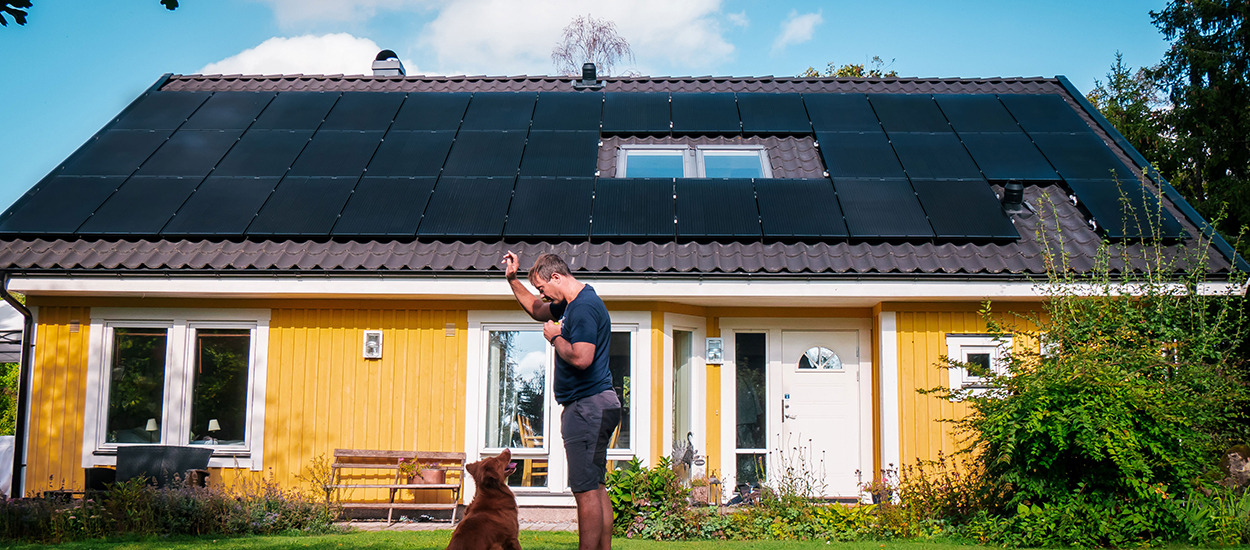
[(510, 265), (551, 329)]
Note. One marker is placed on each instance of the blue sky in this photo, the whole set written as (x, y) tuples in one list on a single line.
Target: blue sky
[(77, 63)]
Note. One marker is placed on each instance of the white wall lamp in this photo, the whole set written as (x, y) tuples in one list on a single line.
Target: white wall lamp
[(373, 344)]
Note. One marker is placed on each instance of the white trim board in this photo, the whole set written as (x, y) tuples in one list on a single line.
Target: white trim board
[(778, 292)]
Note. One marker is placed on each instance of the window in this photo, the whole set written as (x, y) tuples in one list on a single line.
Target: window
[(519, 396), (983, 353), (176, 377), (820, 358), (750, 360), (703, 161)]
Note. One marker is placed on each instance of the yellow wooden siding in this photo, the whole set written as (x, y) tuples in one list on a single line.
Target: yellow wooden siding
[(923, 434), (323, 395), (54, 454)]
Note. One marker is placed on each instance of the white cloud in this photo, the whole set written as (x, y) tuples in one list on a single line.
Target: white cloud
[(292, 12), (506, 37), (738, 19), (532, 364), (797, 29), (339, 53)]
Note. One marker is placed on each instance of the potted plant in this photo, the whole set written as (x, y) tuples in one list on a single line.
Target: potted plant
[(880, 490), (408, 470), (429, 473), (699, 489)]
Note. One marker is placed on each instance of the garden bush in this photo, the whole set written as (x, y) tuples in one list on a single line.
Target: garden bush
[(134, 508)]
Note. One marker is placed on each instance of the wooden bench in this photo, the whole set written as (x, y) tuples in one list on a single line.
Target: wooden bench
[(380, 462)]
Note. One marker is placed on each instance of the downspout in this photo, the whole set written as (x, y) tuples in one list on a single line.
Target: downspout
[(23, 387)]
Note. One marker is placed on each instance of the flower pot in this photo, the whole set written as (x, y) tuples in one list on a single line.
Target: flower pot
[(431, 477), (699, 495)]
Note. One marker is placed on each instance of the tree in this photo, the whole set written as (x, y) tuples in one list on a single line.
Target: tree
[(1206, 72), (17, 10), (1134, 103), (876, 69), (590, 40)]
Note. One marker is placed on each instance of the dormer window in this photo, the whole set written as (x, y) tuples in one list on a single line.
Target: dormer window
[(702, 161)]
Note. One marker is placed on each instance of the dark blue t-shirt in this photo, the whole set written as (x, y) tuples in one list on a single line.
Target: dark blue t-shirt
[(585, 319)]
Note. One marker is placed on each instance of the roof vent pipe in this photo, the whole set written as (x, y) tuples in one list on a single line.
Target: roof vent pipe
[(1013, 197), (387, 64), (590, 80)]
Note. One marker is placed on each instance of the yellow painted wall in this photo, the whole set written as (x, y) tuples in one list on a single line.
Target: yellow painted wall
[(321, 394), (922, 331), (57, 400)]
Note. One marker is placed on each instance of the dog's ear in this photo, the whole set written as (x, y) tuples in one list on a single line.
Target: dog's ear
[(474, 469)]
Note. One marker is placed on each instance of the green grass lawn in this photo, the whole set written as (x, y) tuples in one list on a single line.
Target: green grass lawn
[(438, 539)]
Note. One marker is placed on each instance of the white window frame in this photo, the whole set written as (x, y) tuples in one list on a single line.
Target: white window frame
[(693, 163), (543, 452), (958, 346), (181, 326), (556, 493)]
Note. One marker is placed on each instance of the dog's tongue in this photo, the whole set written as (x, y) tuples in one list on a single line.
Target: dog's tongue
[(511, 469)]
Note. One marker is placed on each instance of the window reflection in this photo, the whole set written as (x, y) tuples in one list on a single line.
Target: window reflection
[(136, 386), (219, 400)]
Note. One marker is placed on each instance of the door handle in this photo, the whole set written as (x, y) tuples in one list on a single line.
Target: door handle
[(785, 406)]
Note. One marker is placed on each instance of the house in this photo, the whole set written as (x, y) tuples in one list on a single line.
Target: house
[(278, 266)]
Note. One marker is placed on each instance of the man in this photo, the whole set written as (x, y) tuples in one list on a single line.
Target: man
[(576, 323)]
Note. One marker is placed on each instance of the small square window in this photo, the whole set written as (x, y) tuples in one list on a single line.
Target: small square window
[(654, 163), (984, 355), (732, 163)]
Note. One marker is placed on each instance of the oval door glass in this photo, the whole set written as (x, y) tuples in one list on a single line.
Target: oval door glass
[(820, 358)]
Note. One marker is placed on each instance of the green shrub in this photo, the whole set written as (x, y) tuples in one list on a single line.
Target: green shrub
[(645, 500)]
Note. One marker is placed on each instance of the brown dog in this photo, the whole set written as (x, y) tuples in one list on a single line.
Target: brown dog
[(490, 521)]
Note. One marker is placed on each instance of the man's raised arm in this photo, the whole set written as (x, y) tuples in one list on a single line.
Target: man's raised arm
[(530, 302)]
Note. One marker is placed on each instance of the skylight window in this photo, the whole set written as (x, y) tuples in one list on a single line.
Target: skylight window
[(669, 161)]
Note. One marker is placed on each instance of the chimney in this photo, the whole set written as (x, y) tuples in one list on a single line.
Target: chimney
[(589, 81), (387, 64), (1013, 197)]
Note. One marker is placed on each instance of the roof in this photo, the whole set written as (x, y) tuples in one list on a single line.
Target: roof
[(91, 246)]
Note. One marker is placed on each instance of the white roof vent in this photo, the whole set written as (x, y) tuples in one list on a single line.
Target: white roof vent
[(387, 64)]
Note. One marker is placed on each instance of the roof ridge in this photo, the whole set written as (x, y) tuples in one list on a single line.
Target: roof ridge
[(427, 78)]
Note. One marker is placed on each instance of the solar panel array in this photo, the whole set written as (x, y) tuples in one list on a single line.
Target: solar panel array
[(522, 165)]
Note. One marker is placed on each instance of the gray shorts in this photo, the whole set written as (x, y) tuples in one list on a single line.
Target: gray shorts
[(587, 425)]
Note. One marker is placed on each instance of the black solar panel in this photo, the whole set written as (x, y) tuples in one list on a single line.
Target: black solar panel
[(485, 154), (303, 206), (337, 153), (296, 111), (841, 113), (221, 206), (161, 111), (627, 207), (263, 153), (550, 208), (115, 153), (636, 113), (934, 156), (411, 154), (799, 209), (881, 209), (364, 111), (499, 111), (1008, 157), (976, 113), (142, 206), (228, 111), (561, 154), (60, 205), (1125, 210), (431, 111), (190, 153), (773, 114), (385, 206), (705, 113), (964, 210), (468, 207), (717, 208), (1043, 113), (908, 113), (568, 111), (1081, 156), (859, 155)]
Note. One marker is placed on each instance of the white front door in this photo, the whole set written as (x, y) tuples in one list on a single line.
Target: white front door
[(820, 412)]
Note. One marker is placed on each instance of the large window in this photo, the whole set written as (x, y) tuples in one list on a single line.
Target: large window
[(520, 409), (704, 161), (183, 380)]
